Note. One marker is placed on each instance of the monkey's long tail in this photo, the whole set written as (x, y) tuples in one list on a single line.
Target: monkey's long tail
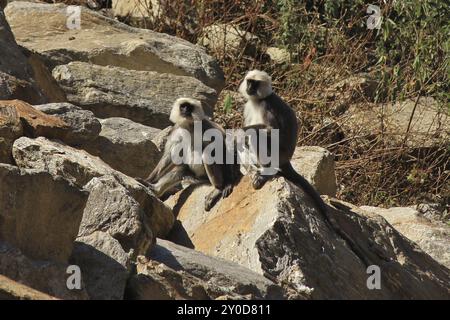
[(288, 172)]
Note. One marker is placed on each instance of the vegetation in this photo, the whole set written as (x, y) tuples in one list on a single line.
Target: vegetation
[(329, 42)]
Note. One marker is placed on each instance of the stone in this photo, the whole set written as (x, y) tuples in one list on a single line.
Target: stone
[(35, 123), (316, 165), (145, 97), (278, 55), (105, 41), (216, 277), (16, 75), (278, 232), (430, 125), (43, 226), (126, 146), (10, 130), (112, 209), (46, 276), (83, 127), (104, 265), (12, 290), (80, 167), (221, 38), (432, 237)]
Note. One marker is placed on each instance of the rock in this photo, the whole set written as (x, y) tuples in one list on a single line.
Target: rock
[(142, 96), (80, 168), (49, 277), (126, 146), (12, 290), (277, 232), (16, 75), (356, 87), (10, 130), (316, 164), (43, 77), (35, 123), (43, 226), (82, 124), (104, 265), (211, 277), (430, 125), (220, 38), (136, 11), (105, 41), (279, 56), (432, 237), (112, 209)]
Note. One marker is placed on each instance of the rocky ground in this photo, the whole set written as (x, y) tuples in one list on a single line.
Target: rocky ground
[(84, 112)]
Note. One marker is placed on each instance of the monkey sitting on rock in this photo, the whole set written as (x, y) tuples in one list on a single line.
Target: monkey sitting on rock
[(265, 110), (195, 165)]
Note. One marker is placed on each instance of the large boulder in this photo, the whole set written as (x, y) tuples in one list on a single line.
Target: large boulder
[(46, 276), (433, 237), (429, 125), (39, 213), (126, 146), (16, 75), (80, 168), (142, 96), (82, 125), (277, 231), (10, 129), (175, 272), (12, 290), (104, 41), (104, 265), (316, 164)]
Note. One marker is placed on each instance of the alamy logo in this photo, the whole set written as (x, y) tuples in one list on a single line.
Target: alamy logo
[(375, 18), (374, 280), (73, 14), (74, 280)]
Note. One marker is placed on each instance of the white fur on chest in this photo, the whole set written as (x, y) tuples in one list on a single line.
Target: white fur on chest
[(253, 113), (192, 158)]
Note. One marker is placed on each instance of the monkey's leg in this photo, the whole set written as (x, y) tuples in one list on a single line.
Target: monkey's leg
[(164, 165), (169, 180), (215, 174)]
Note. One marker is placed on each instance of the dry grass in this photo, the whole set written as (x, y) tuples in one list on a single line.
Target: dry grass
[(370, 169)]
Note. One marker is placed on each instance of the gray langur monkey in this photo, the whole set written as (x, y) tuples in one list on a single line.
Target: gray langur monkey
[(266, 110), (167, 175)]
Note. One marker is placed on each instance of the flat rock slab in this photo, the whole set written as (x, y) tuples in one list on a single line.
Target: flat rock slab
[(105, 41), (126, 146), (145, 97), (42, 225), (12, 290), (83, 126)]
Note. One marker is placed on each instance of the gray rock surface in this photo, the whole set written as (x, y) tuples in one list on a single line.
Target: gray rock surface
[(82, 124), (105, 41), (142, 96), (41, 225), (104, 265), (126, 146)]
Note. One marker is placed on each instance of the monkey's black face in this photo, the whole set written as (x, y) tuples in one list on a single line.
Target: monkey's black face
[(186, 109), (252, 87)]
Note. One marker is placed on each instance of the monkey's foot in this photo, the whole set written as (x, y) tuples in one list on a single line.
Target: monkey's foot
[(258, 181), (212, 198), (227, 191)]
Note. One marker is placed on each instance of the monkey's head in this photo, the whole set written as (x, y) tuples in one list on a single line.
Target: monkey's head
[(186, 109), (256, 85)]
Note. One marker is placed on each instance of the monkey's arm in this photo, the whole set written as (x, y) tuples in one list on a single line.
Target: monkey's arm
[(164, 165)]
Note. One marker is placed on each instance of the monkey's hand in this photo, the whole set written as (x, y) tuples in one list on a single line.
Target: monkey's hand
[(227, 191), (258, 180)]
